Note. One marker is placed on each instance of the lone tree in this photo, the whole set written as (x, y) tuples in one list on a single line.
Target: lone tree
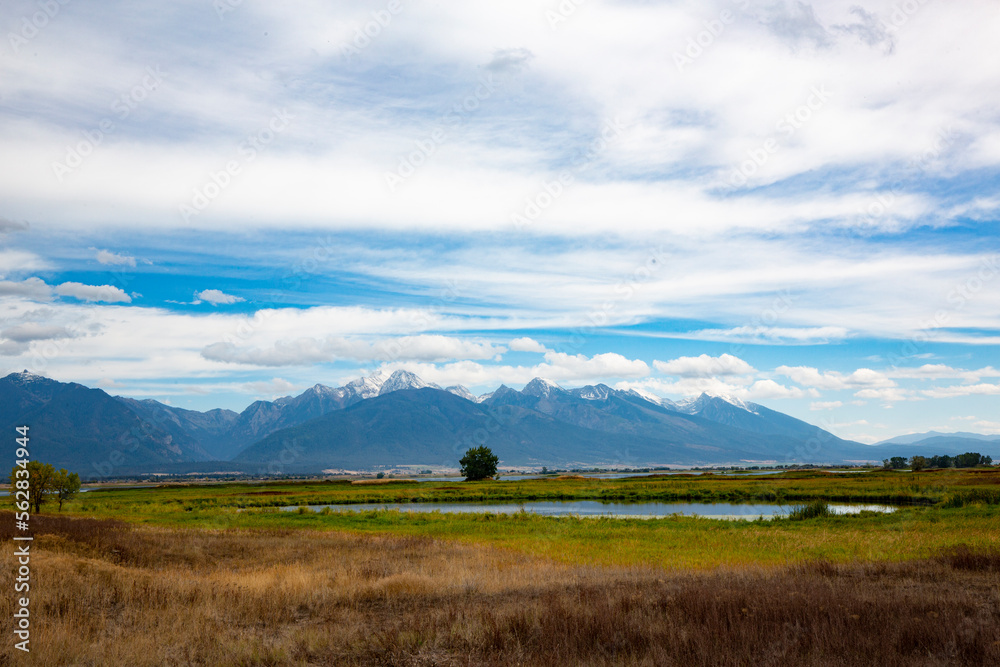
[(41, 481), (917, 463), (36, 479), (65, 485), (479, 463)]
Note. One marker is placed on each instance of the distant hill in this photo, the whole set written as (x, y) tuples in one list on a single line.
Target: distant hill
[(400, 419), (85, 429), (917, 438)]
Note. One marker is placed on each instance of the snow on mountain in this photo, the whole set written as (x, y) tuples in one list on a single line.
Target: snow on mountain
[(24, 378), (323, 390), (367, 387), (592, 392), (652, 398), (460, 390), (403, 380), (541, 387), (693, 406)]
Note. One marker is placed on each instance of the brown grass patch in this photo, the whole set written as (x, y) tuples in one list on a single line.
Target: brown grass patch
[(366, 482), (106, 593)]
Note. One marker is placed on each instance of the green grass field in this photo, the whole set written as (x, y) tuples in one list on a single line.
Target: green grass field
[(943, 509)]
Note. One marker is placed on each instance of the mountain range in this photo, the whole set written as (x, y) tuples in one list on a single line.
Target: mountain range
[(399, 419)]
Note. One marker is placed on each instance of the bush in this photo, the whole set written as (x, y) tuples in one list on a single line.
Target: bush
[(815, 509)]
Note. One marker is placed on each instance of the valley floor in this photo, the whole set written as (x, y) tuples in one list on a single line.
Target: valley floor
[(217, 575), (110, 593)]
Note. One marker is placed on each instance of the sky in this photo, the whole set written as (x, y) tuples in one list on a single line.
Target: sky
[(213, 202)]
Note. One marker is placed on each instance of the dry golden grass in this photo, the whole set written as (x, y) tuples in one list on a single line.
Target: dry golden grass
[(104, 593)]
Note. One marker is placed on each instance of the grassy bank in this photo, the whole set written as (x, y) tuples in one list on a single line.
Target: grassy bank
[(964, 513), (877, 487)]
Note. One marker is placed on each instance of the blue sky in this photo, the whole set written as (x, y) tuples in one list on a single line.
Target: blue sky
[(793, 203)]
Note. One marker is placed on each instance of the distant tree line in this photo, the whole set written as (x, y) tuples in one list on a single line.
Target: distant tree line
[(966, 460)]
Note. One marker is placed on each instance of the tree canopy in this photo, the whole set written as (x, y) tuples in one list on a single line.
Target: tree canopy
[(42, 481), (479, 463)]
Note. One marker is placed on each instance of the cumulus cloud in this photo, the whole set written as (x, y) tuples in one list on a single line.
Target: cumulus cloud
[(825, 405), (563, 366), (32, 288), (25, 333), (526, 345), (705, 366), (812, 377), (743, 388), (217, 297), (887, 394), (105, 293), (113, 259)]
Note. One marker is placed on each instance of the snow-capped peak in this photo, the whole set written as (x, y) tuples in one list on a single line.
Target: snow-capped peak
[(460, 390), (651, 397), (24, 377), (592, 392), (367, 387), (693, 406), (403, 380), (322, 391), (738, 402), (541, 387)]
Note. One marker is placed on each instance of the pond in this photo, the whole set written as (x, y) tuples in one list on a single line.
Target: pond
[(594, 508)]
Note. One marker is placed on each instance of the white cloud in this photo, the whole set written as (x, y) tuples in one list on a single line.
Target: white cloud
[(888, 395), (742, 388), (217, 297), (942, 371), (32, 288), (526, 345), (305, 351), (19, 262), (270, 387), (771, 335), (106, 293), (987, 427), (982, 389), (563, 366), (825, 405), (705, 366), (812, 377), (25, 333), (114, 259)]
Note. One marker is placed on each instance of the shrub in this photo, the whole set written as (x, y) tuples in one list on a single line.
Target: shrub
[(815, 509)]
